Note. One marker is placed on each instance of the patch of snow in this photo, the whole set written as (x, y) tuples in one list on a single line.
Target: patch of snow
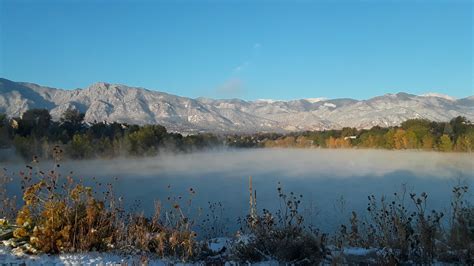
[(315, 100), (218, 244), (244, 238), (438, 95), (95, 258), (357, 251), (330, 105), (90, 258), (267, 101)]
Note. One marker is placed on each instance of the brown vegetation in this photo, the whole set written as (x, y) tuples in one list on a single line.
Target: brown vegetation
[(60, 214)]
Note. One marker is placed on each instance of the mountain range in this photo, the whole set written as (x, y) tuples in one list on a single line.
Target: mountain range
[(120, 103)]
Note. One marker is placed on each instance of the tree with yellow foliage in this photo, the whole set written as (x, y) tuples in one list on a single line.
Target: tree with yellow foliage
[(331, 142), (445, 143), (427, 142), (399, 139)]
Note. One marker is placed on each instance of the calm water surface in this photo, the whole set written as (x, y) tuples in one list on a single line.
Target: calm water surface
[(333, 182)]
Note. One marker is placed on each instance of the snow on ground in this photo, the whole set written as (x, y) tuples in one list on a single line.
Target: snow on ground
[(10, 256), (7, 257), (93, 258), (355, 251), (218, 245)]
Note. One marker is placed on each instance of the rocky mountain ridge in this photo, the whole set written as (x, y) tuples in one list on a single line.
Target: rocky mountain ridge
[(119, 103)]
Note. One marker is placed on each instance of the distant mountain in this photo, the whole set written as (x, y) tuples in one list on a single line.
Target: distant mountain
[(112, 102)]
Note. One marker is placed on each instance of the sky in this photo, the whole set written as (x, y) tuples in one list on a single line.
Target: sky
[(242, 49)]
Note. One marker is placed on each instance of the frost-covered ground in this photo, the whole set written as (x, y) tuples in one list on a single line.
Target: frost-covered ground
[(10, 256), (7, 257), (222, 245)]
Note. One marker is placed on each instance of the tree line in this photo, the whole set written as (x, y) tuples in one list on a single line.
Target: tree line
[(35, 133), (455, 135)]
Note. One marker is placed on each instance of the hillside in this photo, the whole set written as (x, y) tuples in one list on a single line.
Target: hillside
[(113, 102)]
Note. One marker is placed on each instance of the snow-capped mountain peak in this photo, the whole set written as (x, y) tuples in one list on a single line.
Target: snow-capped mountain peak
[(119, 103), (439, 95), (315, 100), (268, 101)]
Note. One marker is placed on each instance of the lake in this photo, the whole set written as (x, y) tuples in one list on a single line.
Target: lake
[(332, 182)]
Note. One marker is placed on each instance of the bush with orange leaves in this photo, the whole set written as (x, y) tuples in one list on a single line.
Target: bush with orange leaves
[(62, 215)]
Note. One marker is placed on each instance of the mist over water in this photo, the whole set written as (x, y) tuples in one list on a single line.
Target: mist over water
[(333, 182)]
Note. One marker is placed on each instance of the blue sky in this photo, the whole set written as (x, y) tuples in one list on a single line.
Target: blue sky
[(243, 49)]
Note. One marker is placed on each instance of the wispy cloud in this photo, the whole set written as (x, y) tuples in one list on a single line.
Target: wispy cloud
[(241, 67), (233, 86)]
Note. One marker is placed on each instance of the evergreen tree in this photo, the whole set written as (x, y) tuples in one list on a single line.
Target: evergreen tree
[(35, 122), (71, 122)]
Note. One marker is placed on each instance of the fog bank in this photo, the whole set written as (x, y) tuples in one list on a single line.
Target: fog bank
[(333, 182), (295, 163)]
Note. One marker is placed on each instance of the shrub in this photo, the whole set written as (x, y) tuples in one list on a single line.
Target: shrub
[(281, 236), (461, 233), (63, 215)]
